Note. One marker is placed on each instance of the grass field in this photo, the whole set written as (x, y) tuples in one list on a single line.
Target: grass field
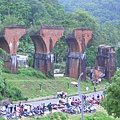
[(29, 85)]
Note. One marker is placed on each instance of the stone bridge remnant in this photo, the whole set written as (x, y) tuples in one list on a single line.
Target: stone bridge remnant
[(9, 41), (106, 61), (75, 61), (44, 42)]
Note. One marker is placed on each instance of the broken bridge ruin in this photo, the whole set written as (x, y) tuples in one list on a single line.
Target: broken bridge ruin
[(75, 61), (105, 61)]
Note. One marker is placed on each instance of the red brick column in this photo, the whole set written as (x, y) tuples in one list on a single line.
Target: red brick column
[(44, 43), (106, 61), (9, 41), (75, 62)]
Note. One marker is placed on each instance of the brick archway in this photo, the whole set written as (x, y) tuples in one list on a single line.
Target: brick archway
[(39, 43), (9, 42), (72, 43), (44, 43), (105, 62), (4, 44), (75, 61)]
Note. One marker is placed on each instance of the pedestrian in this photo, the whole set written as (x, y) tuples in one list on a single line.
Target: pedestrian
[(98, 97), (15, 111), (11, 108), (93, 97), (87, 88), (99, 80), (102, 97), (92, 82), (49, 107), (95, 89)]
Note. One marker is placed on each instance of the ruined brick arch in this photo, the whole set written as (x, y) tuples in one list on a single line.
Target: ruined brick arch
[(4, 45), (75, 58), (73, 45), (44, 42), (9, 42), (39, 44)]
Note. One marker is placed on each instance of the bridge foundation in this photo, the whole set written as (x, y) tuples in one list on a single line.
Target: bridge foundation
[(44, 62), (75, 62), (106, 60)]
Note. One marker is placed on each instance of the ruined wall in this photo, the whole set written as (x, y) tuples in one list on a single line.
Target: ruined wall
[(43, 62), (75, 61), (9, 42), (106, 60), (12, 34), (75, 64), (44, 43)]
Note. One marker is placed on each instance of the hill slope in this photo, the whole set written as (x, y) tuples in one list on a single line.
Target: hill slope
[(105, 10)]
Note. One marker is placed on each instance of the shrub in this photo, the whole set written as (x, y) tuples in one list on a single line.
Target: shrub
[(15, 94), (5, 70), (1, 118), (98, 116), (31, 72)]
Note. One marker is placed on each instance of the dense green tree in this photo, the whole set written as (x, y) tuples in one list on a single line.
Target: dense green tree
[(118, 57), (5, 90), (112, 33), (26, 47), (33, 13), (2, 82), (91, 56), (103, 9), (112, 96), (60, 50)]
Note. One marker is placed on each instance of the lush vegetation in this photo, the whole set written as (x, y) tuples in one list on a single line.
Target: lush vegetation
[(29, 84), (102, 16), (99, 115), (118, 56), (106, 14), (1, 118), (34, 13), (103, 10), (5, 89), (112, 96)]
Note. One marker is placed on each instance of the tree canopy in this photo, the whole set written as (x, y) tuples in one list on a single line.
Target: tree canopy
[(33, 13), (104, 10), (111, 102)]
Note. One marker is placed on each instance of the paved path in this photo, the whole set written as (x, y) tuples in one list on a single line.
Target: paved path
[(56, 101)]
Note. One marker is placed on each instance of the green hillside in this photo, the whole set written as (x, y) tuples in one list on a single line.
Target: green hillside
[(104, 10), (29, 84)]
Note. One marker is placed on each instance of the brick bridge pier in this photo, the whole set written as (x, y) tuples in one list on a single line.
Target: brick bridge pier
[(105, 61), (44, 43), (75, 61), (9, 42)]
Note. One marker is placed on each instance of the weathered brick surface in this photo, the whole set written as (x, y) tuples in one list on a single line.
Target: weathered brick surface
[(9, 41), (47, 37), (44, 43), (82, 36), (12, 34), (75, 61), (106, 60)]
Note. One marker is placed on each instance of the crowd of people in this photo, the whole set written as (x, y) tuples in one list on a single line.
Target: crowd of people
[(20, 109)]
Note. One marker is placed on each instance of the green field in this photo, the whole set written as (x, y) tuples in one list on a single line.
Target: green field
[(29, 85)]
